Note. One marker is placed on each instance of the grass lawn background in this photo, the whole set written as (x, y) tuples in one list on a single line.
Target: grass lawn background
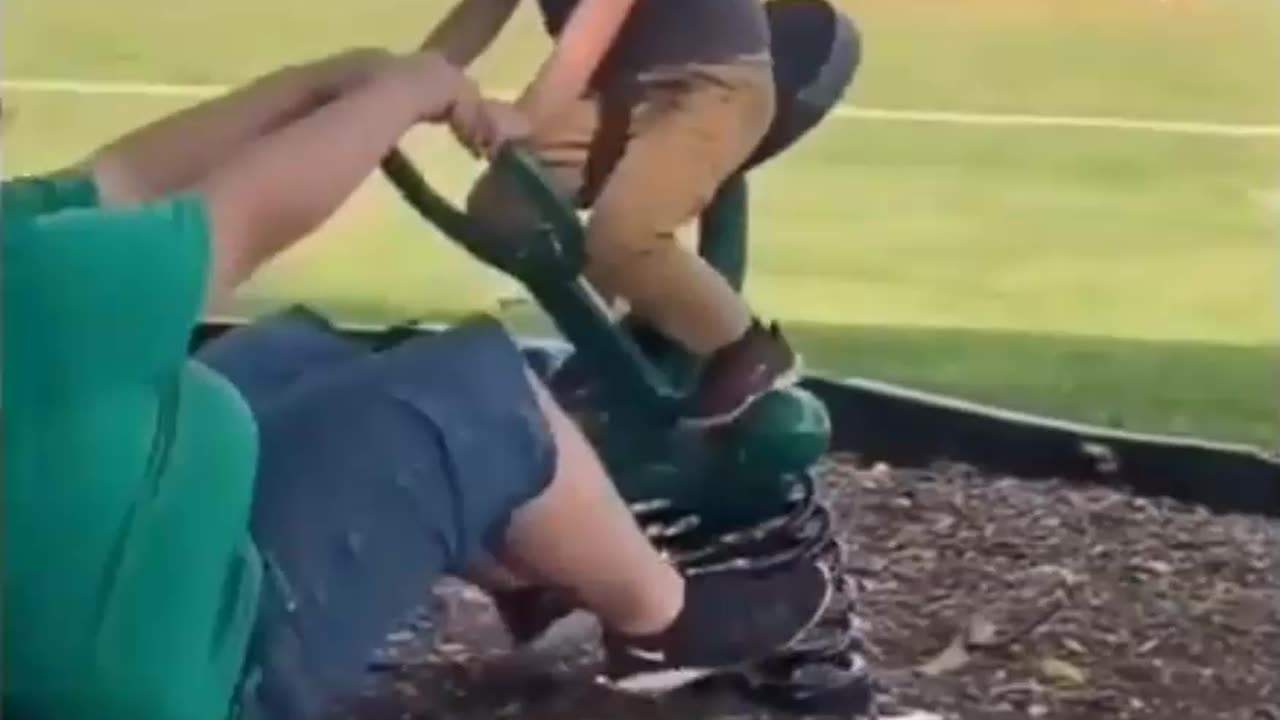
[(1104, 275)]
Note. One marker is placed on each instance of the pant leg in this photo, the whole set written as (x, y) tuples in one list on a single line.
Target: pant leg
[(692, 128), (265, 358), (376, 478)]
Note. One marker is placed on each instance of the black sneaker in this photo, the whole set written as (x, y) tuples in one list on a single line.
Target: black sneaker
[(823, 672), (739, 373), (731, 620)]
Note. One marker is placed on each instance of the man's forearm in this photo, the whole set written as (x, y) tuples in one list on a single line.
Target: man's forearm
[(285, 184), (586, 39), (180, 149), (469, 29)]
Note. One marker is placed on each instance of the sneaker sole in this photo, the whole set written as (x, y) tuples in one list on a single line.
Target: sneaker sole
[(790, 378), (657, 683), (666, 680)]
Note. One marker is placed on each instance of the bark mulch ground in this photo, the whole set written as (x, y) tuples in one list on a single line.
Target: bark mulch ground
[(988, 598)]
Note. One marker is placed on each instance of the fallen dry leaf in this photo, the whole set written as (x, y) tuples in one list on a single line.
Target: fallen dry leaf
[(981, 632), (952, 658), (1062, 672)]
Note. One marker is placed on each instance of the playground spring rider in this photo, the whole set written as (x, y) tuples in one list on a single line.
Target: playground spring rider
[(741, 495)]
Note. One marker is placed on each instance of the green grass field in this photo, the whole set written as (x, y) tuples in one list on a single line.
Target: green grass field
[(1106, 275)]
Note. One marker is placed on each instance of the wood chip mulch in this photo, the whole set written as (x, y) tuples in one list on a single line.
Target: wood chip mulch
[(988, 598)]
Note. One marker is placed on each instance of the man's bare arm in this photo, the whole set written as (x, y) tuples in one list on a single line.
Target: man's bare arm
[(179, 150), (284, 185), (469, 29)]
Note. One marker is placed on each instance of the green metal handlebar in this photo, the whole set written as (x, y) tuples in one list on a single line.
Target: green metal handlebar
[(560, 253), (550, 265), (565, 230)]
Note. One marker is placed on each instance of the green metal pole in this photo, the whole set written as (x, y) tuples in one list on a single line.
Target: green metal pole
[(549, 265), (722, 231)]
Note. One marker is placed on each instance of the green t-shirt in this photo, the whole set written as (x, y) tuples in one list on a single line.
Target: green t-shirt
[(131, 581)]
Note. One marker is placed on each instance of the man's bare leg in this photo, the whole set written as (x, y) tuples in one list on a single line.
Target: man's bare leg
[(661, 629), (492, 575), (579, 533)]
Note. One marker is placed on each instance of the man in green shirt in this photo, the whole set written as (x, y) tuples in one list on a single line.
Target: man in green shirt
[(189, 540)]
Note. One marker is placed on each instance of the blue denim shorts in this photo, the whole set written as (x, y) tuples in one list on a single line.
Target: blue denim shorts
[(379, 472)]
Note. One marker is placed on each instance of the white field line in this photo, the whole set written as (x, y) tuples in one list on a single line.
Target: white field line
[(79, 87), (852, 112)]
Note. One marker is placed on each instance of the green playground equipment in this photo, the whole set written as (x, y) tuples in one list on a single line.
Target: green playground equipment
[(742, 494), (729, 478)]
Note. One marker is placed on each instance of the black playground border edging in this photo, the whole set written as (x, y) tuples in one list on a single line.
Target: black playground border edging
[(882, 422), (902, 426)]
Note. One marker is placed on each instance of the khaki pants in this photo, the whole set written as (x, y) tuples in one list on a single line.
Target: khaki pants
[(648, 158)]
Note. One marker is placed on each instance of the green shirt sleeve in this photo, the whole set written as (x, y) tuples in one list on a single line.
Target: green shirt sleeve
[(30, 196), (99, 295)]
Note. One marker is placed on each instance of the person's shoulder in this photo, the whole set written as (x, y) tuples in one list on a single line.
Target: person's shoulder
[(121, 251), (134, 224)]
